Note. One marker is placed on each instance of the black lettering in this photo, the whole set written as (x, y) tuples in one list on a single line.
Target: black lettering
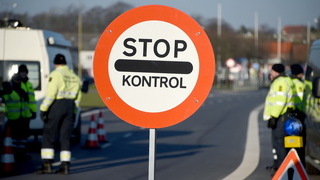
[(176, 47), (125, 43), (137, 82), (181, 83), (145, 41), (155, 80), (163, 81), (171, 83), (155, 48), (125, 80), (146, 81)]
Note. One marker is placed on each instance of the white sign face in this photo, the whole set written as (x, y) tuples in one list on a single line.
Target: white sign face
[(153, 71)]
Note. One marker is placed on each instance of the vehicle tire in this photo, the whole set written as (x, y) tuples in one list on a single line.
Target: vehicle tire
[(311, 170)]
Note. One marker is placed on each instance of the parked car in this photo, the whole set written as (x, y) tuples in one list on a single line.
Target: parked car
[(312, 100)]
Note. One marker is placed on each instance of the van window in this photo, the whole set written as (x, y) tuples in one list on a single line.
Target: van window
[(8, 68)]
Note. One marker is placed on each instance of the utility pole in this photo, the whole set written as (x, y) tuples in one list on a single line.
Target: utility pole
[(279, 39), (80, 39)]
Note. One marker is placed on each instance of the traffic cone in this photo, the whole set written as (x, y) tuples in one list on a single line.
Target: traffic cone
[(92, 138), (102, 137), (7, 157)]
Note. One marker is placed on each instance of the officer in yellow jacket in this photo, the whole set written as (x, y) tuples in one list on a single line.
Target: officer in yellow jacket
[(281, 99), (300, 85), (57, 111), (297, 78), (27, 86), (18, 114)]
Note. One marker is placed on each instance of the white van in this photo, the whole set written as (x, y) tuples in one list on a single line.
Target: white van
[(312, 101), (36, 49)]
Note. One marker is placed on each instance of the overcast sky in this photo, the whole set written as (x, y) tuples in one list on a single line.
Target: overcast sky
[(235, 12)]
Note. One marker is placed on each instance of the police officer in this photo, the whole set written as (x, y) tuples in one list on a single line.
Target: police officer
[(297, 79), (18, 114), (57, 111), (27, 86), (280, 100)]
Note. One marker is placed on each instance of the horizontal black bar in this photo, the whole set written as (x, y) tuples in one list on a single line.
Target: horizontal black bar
[(151, 66)]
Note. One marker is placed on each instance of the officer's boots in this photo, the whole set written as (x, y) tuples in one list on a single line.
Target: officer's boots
[(64, 168), (46, 168)]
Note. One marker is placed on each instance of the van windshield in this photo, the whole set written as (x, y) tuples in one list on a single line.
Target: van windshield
[(8, 68), (314, 58)]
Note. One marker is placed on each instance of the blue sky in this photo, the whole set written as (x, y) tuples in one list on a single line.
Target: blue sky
[(235, 12)]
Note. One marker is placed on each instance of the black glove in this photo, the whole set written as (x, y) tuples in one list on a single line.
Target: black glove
[(33, 115), (272, 123), (44, 116)]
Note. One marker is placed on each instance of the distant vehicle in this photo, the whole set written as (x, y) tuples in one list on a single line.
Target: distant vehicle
[(35, 48), (312, 99)]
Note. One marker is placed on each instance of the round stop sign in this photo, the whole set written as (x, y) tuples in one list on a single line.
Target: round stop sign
[(153, 66)]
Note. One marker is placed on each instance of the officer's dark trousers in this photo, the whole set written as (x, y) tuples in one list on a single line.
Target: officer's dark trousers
[(278, 135), (19, 133), (59, 125)]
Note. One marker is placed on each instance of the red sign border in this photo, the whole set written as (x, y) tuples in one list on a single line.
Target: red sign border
[(206, 66), (294, 157)]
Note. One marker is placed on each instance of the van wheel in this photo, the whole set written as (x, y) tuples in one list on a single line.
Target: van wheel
[(311, 170)]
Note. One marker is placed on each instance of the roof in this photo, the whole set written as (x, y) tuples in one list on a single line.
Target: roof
[(295, 29)]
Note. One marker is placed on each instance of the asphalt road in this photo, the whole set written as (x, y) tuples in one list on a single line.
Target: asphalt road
[(210, 145)]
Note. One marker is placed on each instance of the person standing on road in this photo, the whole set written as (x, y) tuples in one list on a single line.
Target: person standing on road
[(57, 111), (297, 79), (18, 114), (27, 86), (280, 101)]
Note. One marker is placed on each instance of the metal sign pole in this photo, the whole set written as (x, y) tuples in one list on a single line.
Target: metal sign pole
[(152, 153)]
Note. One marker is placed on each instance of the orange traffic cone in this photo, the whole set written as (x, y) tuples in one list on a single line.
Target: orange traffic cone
[(102, 137), (7, 157), (92, 139)]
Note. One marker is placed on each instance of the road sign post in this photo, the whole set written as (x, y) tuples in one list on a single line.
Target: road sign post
[(152, 153), (154, 67)]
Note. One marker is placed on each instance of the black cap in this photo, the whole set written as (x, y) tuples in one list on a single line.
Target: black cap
[(59, 59), (278, 68), (296, 69), (23, 68)]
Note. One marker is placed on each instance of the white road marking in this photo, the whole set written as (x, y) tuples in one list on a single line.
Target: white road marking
[(252, 152)]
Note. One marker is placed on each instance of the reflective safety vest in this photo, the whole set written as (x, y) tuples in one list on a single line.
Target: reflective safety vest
[(27, 87), (15, 108), (299, 85), (309, 100), (281, 96), (63, 84)]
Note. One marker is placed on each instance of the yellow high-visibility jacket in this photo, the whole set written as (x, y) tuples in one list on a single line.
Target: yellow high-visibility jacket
[(63, 84), (27, 87), (299, 85), (308, 97), (281, 96), (15, 107)]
